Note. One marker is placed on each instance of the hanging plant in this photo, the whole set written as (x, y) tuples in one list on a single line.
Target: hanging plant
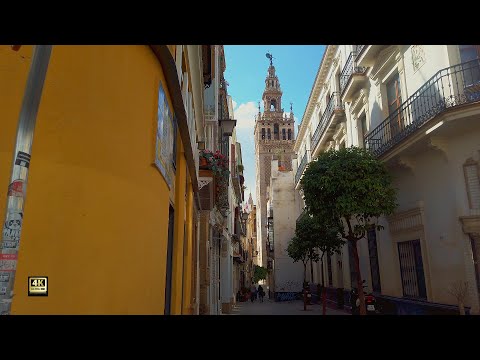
[(215, 161)]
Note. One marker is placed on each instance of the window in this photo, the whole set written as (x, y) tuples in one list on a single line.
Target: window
[(269, 134), (362, 126), (411, 269), (263, 133), (273, 105), (329, 267), (289, 134), (373, 254), (469, 52), (472, 181), (284, 134), (276, 132), (471, 72), (394, 98)]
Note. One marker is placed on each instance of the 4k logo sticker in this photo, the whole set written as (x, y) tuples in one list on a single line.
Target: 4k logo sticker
[(38, 286)]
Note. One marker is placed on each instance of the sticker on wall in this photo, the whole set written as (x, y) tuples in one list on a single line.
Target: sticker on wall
[(8, 262), (12, 229), (23, 159), (16, 188), (4, 277)]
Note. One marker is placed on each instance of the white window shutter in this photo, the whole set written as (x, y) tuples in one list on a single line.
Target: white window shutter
[(473, 185)]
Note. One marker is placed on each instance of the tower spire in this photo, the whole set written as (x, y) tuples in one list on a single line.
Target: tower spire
[(270, 56)]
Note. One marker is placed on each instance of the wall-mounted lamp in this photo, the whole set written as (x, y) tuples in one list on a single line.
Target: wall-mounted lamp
[(227, 126)]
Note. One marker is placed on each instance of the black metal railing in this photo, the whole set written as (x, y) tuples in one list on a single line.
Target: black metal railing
[(335, 103), (359, 49), (449, 87), (350, 69), (301, 168)]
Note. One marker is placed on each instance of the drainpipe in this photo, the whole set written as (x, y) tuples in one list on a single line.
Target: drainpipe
[(10, 242)]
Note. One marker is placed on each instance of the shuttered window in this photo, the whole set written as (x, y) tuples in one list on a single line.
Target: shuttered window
[(411, 269)]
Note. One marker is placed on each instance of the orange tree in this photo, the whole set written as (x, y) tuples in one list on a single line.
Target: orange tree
[(352, 186)]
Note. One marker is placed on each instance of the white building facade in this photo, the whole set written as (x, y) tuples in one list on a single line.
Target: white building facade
[(416, 108)]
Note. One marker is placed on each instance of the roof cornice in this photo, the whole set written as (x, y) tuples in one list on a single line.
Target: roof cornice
[(315, 92)]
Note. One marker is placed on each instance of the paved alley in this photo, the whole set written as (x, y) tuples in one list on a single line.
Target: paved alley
[(269, 307)]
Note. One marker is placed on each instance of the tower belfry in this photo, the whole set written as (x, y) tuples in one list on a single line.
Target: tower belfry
[(274, 140)]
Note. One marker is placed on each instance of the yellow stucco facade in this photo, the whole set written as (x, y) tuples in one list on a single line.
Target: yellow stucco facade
[(97, 209)]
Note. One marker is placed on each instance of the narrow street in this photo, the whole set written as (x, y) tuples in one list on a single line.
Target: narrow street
[(269, 307)]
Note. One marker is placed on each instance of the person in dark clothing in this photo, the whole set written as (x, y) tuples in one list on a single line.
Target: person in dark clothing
[(261, 293)]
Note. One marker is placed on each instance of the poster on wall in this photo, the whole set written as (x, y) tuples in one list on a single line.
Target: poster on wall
[(165, 133)]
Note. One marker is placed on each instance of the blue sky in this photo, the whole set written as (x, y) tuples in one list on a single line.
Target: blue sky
[(296, 67)]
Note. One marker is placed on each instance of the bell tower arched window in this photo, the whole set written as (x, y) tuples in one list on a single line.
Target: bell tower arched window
[(269, 134), (276, 134), (289, 134), (284, 134), (273, 105), (263, 133)]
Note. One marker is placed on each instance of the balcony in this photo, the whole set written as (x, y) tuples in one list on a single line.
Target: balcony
[(366, 54), (333, 114), (448, 88), (352, 77), (301, 168)]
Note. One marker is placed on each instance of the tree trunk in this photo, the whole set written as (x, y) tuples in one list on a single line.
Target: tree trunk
[(324, 292), (461, 307), (361, 296), (304, 273), (311, 271), (303, 286)]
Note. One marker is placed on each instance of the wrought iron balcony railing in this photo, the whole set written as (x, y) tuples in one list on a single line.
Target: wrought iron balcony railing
[(335, 103), (301, 168), (449, 87), (350, 69), (359, 49)]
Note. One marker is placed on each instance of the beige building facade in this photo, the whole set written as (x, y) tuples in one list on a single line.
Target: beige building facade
[(416, 108)]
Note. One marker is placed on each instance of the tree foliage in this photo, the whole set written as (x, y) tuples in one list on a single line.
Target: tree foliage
[(297, 250), (259, 273), (349, 184)]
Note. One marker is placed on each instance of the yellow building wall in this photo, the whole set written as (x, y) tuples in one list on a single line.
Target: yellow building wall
[(188, 255), (96, 214)]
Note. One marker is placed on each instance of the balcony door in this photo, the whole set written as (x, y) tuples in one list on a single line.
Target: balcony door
[(394, 98), (470, 68)]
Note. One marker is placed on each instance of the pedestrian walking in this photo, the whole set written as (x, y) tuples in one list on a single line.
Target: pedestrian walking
[(261, 293), (253, 293)]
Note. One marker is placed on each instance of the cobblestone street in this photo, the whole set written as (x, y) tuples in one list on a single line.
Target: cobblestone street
[(269, 307)]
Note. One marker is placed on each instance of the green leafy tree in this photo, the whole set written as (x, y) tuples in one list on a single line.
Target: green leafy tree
[(352, 186), (259, 273), (307, 231), (298, 251)]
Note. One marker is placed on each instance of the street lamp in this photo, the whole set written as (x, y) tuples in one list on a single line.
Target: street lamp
[(227, 126), (245, 216)]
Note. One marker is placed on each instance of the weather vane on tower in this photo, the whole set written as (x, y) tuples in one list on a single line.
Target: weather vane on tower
[(270, 56), (291, 106)]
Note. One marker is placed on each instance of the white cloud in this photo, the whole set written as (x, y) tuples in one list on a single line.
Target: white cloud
[(245, 114)]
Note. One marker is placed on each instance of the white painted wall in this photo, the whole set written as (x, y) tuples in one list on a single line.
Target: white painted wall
[(288, 275)]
